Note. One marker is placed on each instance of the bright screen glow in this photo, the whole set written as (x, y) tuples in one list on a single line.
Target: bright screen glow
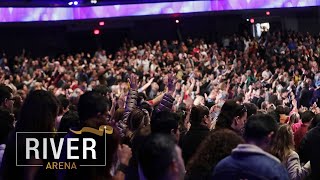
[(74, 13)]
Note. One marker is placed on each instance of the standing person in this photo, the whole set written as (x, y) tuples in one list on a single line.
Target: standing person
[(251, 160), (200, 126), (232, 116), (283, 148), (306, 118), (309, 151), (92, 110), (6, 98), (38, 114), (6, 126)]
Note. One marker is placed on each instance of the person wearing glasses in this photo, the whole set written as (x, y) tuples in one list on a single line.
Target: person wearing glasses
[(6, 98), (232, 116)]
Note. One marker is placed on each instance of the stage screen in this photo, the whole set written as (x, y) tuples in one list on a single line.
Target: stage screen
[(15, 14)]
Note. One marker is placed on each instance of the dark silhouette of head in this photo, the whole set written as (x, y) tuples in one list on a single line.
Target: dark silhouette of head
[(38, 112), (92, 105), (160, 158), (260, 130), (165, 122)]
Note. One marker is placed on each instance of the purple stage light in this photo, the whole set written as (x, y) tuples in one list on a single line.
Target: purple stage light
[(75, 13)]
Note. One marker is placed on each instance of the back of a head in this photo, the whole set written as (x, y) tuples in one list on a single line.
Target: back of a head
[(251, 109), (69, 120), (164, 122), (90, 105), (315, 121), (101, 89), (307, 116), (38, 112), (198, 113), (63, 103), (6, 125), (156, 155), (137, 119), (259, 126), (229, 111)]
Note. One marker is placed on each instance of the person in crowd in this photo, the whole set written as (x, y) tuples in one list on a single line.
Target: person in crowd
[(216, 146), (232, 116), (63, 108), (140, 80), (6, 98), (283, 148), (68, 121), (251, 109), (201, 123), (306, 118), (165, 122), (161, 158), (6, 126), (251, 160), (30, 120), (92, 110), (309, 151), (315, 121)]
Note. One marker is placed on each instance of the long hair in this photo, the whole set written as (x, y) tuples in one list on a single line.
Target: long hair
[(282, 143), (216, 146), (38, 112)]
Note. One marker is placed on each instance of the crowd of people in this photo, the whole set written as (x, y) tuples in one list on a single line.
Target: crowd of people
[(242, 108)]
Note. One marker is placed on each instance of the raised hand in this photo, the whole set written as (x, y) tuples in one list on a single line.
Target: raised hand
[(150, 81), (171, 83), (133, 80), (124, 154)]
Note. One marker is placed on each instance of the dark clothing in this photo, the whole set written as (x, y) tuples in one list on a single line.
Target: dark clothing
[(310, 151), (9, 169), (192, 140), (250, 162), (305, 97)]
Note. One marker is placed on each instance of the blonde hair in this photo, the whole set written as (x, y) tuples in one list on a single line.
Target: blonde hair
[(283, 142)]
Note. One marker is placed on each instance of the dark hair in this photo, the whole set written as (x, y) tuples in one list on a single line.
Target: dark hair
[(164, 122), (307, 116), (63, 103), (259, 126), (216, 146), (137, 119), (156, 155), (101, 89), (294, 118), (38, 112), (69, 120), (315, 121), (118, 114), (90, 104), (229, 111), (197, 114), (5, 93), (251, 108), (6, 125)]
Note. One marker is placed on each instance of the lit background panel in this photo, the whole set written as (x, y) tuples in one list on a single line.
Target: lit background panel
[(76, 13)]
